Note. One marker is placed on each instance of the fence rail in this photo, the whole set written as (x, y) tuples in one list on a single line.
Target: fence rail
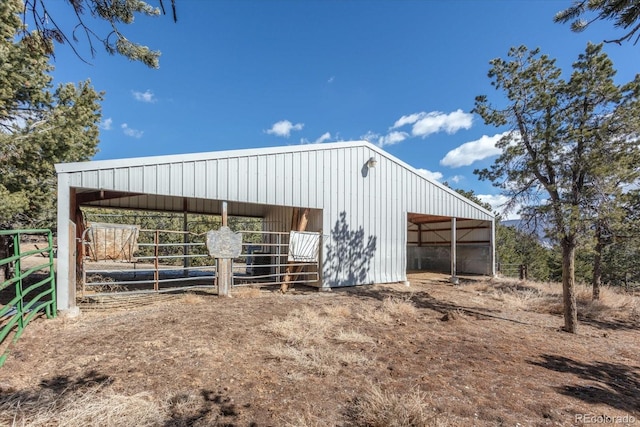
[(168, 260), (28, 286), (512, 270)]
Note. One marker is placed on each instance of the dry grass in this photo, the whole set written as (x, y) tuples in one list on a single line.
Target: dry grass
[(322, 360), (340, 311), (353, 337), (308, 359), (95, 406), (191, 298), (306, 419), (540, 297), (301, 327), (380, 408), (246, 292), (390, 311), (614, 303), (312, 340), (375, 315), (399, 307)]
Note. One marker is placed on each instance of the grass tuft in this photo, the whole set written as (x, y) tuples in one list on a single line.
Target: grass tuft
[(94, 406), (399, 307), (546, 298), (381, 408)]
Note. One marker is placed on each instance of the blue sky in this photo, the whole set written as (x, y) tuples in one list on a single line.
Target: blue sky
[(256, 73)]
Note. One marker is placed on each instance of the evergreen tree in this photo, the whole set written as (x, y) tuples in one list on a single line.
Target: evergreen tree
[(564, 137), (625, 14), (39, 125), (516, 247), (113, 12), (621, 259)]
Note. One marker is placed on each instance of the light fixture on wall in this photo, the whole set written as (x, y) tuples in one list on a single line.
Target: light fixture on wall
[(372, 162)]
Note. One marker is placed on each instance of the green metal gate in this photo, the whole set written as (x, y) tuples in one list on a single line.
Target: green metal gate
[(30, 289)]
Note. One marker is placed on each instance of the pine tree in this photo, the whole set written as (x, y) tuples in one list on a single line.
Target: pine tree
[(565, 137), (39, 125), (114, 12), (625, 14)]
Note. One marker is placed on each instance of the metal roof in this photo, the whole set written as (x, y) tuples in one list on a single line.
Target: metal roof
[(286, 176)]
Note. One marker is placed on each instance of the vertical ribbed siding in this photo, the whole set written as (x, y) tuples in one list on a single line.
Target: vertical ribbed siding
[(331, 180)]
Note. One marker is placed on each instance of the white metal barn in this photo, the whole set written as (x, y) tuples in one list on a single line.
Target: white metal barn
[(378, 216)]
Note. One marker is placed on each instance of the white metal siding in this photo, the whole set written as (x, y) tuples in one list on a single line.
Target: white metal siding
[(328, 177)]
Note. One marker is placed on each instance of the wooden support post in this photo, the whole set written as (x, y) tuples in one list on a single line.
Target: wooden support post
[(225, 274), (224, 277), (298, 223), (225, 216)]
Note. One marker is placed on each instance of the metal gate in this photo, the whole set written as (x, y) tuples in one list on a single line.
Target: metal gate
[(27, 285), (169, 260), (268, 263)]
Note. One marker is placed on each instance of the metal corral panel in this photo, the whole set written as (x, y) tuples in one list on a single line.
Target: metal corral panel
[(364, 210)]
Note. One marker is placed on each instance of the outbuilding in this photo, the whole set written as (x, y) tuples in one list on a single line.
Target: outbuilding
[(378, 216)]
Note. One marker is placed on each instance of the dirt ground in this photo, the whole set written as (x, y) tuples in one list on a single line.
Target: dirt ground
[(261, 358)]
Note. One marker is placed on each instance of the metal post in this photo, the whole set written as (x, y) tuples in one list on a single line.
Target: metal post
[(185, 251), (52, 277), (492, 249), (419, 251), (156, 250), (279, 257), (18, 273), (454, 238)]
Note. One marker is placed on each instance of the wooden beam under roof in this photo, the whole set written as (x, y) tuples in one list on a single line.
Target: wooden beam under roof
[(426, 219), (94, 196)]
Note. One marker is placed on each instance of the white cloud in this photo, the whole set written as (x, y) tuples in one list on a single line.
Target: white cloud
[(323, 138), (425, 124), (284, 128), (408, 120), (106, 124), (146, 96), (456, 178), (371, 137), (497, 202), (473, 151), (331, 79), (134, 133), (435, 176), (391, 138), (437, 122)]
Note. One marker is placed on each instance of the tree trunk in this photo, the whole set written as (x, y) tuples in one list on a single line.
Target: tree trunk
[(597, 271), (568, 285)]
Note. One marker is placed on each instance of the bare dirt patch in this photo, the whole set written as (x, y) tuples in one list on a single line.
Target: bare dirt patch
[(482, 353)]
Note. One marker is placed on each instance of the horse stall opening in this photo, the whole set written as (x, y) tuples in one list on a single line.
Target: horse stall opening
[(129, 252), (431, 241)]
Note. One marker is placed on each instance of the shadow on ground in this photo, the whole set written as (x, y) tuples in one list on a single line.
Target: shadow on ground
[(612, 384), (203, 407), (420, 299)]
